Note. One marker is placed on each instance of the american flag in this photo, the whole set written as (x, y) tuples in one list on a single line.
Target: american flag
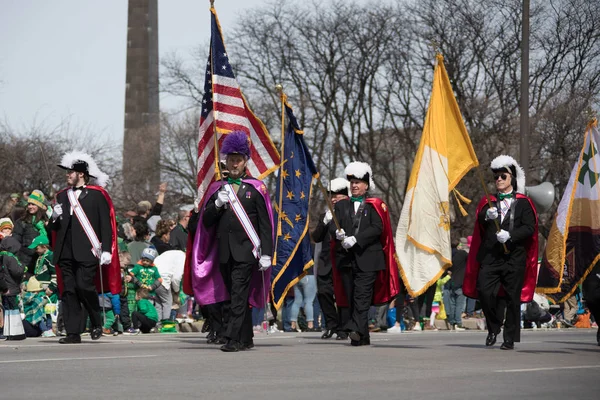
[(224, 104)]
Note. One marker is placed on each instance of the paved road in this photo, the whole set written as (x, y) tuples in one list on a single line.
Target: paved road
[(556, 364)]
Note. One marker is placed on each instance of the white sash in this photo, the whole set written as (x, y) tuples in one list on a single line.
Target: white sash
[(242, 216), (85, 223)]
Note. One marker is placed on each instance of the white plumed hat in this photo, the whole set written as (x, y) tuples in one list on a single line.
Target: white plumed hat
[(509, 164), (83, 162), (361, 171), (339, 186)]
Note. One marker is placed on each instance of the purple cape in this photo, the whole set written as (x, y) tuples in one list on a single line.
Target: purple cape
[(207, 281)]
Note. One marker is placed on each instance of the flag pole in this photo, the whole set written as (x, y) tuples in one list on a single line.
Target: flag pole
[(282, 96), (489, 201)]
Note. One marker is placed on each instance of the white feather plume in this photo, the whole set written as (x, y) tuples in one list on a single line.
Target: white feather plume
[(339, 184), (504, 161), (69, 158), (359, 170)]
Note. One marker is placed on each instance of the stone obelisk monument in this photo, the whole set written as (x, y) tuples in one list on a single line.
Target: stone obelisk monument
[(141, 145)]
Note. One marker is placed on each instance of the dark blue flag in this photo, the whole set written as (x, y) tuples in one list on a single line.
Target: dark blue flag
[(293, 254)]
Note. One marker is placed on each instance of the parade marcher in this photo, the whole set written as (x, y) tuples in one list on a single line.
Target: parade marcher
[(11, 276), (502, 264), (85, 245), (365, 261), (235, 234), (334, 318), (591, 292)]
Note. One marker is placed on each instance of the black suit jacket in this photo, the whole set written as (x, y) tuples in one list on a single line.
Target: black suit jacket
[(491, 252), (96, 208), (368, 251), (322, 234), (233, 240)]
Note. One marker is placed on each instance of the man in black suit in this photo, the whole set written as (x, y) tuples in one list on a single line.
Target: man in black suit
[(361, 255), (507, 257), (237, 254), (334, 318), (78, 250)]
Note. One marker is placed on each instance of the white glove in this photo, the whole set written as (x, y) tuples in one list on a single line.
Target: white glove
[(503, 236), (340, 234), (349, 242), (491, 213), (105, 258), (264, 263), (222, 199), (328, 217), (56, 211)]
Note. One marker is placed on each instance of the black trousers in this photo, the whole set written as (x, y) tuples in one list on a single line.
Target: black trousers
[(510, 277), (79, 289), (124, 316), (425, 302), (359, 286), (591, 293), (335, 318), (237, 317), (214, 314), (141, 322)]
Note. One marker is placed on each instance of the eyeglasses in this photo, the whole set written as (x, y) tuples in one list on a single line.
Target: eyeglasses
[(501, 176)]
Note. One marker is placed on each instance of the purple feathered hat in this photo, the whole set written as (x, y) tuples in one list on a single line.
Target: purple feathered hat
[(236, 142)]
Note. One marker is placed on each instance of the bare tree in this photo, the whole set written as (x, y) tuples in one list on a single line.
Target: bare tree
[(359, 77)]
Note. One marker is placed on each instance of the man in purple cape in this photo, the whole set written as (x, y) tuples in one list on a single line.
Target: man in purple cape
[(233, 246)]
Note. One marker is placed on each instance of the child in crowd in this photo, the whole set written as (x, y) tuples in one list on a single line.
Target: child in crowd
[(145, 274), (145, 317), (127, 296), (36, 321), (111, 307), (45, 271), (11, 276)]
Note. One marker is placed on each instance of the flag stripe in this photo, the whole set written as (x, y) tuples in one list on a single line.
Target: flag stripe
[(224, 110)]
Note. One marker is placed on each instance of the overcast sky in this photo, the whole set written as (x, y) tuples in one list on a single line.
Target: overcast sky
[(65, 59)]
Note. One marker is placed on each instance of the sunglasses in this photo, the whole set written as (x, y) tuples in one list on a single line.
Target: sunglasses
[(503, 176)]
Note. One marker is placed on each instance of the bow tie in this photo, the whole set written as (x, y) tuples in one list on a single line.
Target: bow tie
[(503, 196), (77, 188), (359, 199), (232, 181)]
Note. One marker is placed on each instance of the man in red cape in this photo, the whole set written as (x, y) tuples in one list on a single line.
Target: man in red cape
[(365, 258), (502, 264), (85, 245)]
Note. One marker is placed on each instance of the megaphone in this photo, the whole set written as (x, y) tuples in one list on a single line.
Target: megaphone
[(542, 196)]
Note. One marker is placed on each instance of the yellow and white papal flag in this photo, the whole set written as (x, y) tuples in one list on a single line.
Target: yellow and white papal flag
[(445, 155)]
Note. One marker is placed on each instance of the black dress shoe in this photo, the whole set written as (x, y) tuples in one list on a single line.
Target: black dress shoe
[(365, 341), (70, 339), (247, 346), (491, 339), (231, 346), (96, 333), (354, 336), (221, 340), (342, 336), (507, 346), (327, 334)]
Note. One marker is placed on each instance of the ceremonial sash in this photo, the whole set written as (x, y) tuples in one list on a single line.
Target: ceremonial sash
[(242, 216), (85, 223)]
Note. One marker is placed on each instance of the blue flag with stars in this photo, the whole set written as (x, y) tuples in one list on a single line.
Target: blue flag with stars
[(293, 255)]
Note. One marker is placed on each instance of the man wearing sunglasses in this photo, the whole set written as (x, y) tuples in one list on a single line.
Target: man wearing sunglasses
[(502, 264)]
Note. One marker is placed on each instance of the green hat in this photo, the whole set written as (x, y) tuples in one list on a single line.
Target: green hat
[(37, 198), (40, 240)]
